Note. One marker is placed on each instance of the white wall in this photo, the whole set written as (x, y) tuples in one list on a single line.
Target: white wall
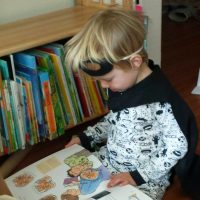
[(12, 10), (153, 9)]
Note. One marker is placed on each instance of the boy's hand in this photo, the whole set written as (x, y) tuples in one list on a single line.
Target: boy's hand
[(74, 140), (121, 179)]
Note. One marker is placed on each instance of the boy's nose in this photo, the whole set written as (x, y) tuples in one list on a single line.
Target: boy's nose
[(104, 84)]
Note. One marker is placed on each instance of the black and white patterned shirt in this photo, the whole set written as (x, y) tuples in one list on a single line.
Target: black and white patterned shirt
[(147, 131)]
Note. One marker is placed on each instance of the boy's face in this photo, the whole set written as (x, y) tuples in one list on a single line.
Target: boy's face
[(119, 80)]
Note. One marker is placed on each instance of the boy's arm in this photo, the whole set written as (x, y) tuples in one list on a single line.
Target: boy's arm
[(168, 152), (4, 188), (11, 163), (96, 134)]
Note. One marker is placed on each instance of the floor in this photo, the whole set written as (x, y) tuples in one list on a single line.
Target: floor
[(180, 62), (181, 59)]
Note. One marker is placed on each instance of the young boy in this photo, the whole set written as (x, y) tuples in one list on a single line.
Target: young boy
[(147, 131)]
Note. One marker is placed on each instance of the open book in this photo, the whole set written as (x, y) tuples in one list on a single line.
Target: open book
[(70, 174)]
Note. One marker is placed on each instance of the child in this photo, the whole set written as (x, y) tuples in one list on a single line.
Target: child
[(148, 128)]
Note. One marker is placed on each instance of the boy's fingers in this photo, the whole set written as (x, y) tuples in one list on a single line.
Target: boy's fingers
[(114, 182), (68, 144)]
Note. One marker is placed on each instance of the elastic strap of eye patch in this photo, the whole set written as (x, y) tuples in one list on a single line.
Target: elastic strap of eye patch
[(138, 51), (105, 67)]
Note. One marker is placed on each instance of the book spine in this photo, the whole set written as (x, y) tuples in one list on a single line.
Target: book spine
[(104, 94), (12, 66), (13, 140), (27, 123), (97, 92), (59, 50), (75, 97), (5, 122), (93, 95), (45, 63), (15, 116), (48, 105), (60, 116), (19, 115), (27, 64), (87, 91), (82, 95), (23, 108), (49, 108), (2, 134), (31, 113), (67, 116), (63, 90)]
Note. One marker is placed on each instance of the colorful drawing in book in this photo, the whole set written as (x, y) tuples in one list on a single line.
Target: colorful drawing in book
[(44, 184), (83, 178), (49, 197), (23, 179)]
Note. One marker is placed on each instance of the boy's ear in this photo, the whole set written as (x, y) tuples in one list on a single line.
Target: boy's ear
[(136, 61)]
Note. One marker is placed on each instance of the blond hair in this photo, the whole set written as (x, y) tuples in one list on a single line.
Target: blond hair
[(108, 35)]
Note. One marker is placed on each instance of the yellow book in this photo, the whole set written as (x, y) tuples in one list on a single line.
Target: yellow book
[(63, 88), (93, 95)]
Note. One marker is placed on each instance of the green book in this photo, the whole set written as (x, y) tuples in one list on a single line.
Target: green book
[(58, 49)]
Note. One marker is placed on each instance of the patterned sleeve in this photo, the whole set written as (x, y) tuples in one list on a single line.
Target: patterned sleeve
[(169, 145), (96, 134)]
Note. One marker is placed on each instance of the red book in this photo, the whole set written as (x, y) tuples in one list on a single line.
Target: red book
[(81, 93)]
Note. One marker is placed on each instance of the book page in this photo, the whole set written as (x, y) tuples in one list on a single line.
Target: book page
[(72, 173)]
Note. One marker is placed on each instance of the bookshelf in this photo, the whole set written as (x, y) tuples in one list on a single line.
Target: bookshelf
[(26, 34), (35, 31), (44, 29)]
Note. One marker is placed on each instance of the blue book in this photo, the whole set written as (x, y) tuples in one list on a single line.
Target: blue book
[(10, 65), (4, 69), (45, 64), (27, 64)]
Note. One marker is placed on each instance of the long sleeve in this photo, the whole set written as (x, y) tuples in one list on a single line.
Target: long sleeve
[(96, 134), (146, 141), (169, 145)]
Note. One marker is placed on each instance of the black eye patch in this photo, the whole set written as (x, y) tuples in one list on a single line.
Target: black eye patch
[(103, 68)]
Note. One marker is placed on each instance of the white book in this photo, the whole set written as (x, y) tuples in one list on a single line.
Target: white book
[(52, 178), (12, 66), (19, 111)]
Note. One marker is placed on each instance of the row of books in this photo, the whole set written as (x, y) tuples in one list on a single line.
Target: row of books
[(40, 97)]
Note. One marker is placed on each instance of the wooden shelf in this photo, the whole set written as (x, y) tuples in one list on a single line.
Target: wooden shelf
[(43, 29)]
